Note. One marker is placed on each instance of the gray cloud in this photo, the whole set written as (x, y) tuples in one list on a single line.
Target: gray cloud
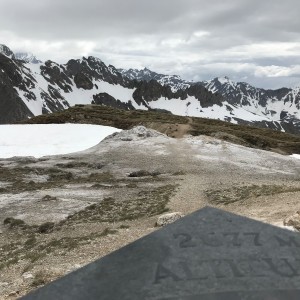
[(243, 39)]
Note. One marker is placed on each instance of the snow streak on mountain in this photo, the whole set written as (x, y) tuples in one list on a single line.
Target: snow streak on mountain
[(29, 87)]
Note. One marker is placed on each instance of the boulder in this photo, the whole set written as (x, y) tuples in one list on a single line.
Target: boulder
[(168, 218), (293, 221)]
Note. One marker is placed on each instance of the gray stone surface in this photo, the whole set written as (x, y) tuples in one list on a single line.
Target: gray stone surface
[(209, 255)]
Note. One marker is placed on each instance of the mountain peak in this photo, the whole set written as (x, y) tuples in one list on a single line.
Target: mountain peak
[(27, 57), (223, 79), (6, 51), (147, 71), (95, 59)]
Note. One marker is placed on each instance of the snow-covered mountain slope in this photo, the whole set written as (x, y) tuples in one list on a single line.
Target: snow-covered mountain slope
[(270, 105), (27, 57), (276, 109), (174, 81), (28, 89), (32, 88), (40, 88), (275, 104), (280, 105)]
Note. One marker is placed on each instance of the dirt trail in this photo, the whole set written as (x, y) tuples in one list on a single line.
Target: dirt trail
[(172, 130), (189, 196)]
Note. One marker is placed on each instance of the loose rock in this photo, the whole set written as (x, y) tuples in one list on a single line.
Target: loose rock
[(168, 218), (293, 220), (27, 275)]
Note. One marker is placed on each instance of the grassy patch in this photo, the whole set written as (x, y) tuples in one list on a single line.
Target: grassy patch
[(132, 185), (33, 250), (73, 165), (123, 226), (40, 279), (249, 136), (57, 177), (147, 203), (13, 223), (30, 242), (179, 173), (143, 173), (241, 193), (47, 198), (46, 227), (101, 177), (9, 254)]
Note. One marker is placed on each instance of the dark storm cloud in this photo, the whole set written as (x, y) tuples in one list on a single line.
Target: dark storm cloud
[(194, 38)]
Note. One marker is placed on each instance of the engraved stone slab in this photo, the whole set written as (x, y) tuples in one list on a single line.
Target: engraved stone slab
[(209, 255)]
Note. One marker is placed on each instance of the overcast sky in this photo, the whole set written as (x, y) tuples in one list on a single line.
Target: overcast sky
[(257, 41)]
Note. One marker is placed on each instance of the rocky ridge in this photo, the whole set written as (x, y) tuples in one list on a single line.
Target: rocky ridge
[(27, 57), (49, 87), (174, 81), (279, 108), (29, 87)]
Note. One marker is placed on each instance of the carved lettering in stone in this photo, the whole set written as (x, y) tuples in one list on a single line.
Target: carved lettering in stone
[(225, 268)]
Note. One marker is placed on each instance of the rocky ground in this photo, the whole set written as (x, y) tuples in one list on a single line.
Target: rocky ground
[(59, 213)]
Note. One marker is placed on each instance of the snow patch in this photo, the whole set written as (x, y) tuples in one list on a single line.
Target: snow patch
[(50, 139)]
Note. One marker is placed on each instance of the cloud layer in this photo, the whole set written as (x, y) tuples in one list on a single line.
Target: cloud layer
[(247, 40)]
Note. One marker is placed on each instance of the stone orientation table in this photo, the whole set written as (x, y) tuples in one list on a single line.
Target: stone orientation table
[(208, 255)]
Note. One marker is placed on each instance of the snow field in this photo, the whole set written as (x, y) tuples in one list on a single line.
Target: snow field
[(50, 139)]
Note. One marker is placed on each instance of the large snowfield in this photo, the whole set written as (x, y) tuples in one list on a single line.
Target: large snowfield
[(50, 139)]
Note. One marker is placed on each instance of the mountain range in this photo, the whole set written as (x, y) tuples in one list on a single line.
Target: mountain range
[(30, 87)]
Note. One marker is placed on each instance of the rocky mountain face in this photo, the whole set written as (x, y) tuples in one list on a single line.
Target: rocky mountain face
[(29, 87), (21, 95), (276, 109), (280, 107), (174, 81), (4, 50), (27, 57), (12, 107)]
